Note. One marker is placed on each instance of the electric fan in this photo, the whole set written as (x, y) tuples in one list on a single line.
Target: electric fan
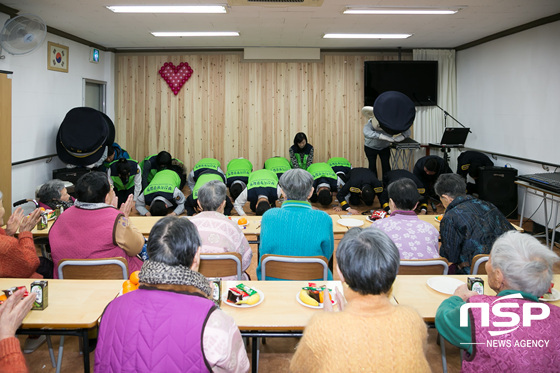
[(22, 34)]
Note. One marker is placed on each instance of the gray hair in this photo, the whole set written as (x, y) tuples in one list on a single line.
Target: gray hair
[(369, 260), (452, 185), (50, 190), (296, 184), (211, 195), (525, 262)]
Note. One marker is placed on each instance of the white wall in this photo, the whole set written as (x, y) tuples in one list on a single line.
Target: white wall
[(40, 100), (508, 92)]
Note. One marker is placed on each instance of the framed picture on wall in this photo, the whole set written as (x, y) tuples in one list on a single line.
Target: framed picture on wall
[(57, 57)]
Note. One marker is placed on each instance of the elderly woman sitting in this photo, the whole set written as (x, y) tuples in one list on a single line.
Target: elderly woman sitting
[(169, 324), (218, 233), (370, 334), (54, 193), (519, 268), (296, 229), (18, 256)]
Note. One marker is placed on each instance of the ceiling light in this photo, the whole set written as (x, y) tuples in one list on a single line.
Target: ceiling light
[(187, 34), (168, 9), (367, 36), (382, 10)]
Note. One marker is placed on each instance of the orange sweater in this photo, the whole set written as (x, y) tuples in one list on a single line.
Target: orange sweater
[(11, 358), (18, 257), (370, 335)]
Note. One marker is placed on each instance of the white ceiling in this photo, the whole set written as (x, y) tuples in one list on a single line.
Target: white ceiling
[(286, 26)]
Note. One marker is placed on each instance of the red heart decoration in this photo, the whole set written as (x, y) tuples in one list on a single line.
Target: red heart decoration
[(175, 76)]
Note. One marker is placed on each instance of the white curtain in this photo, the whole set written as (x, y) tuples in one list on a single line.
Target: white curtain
[(430, 120)]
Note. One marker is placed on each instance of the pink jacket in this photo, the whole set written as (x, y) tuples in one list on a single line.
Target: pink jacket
[(87, 234)]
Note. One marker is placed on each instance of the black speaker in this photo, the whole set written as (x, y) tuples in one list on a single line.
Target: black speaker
[(496, 185)]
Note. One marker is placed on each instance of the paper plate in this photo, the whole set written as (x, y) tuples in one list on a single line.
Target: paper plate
[(224, 300), (444, 284), (552, 297), (235, 219), (348, 222)]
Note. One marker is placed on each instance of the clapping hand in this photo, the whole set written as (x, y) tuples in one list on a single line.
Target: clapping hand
[(13, 311), (30, 221), (338, 297), (127, 206), (14, 222)]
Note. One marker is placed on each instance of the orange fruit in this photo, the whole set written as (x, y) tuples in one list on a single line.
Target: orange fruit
[(322, 297), (134, 277), (242, 221), (3, 297), (128, 286)]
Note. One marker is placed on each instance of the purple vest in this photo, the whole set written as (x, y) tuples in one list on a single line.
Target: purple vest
[(153, 331), (534, 348), (87, 234)]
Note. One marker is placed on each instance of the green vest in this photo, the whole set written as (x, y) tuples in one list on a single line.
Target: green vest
[(209, 163), (277, 164), (262, 179), (153, 171), (321, 169), (339, 162), (203, 179), (164, 181), (239, 168), (117, 182), (302, 161)]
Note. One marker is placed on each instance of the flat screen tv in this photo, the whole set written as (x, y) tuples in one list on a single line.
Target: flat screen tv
[(416, 79)]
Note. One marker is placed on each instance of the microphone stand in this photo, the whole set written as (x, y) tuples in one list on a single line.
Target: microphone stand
[(445, 115)]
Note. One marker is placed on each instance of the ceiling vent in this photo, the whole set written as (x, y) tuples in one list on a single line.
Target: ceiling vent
[(275, 2)]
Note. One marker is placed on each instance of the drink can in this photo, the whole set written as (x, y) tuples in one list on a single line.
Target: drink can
[(41, 290), (59, 210), (476, 284), (216, 286), (43, 222)]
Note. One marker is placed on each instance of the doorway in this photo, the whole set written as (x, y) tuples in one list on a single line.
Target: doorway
[(94, 94)]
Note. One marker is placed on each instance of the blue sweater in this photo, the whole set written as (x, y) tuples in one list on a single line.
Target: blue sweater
[(296, 229)]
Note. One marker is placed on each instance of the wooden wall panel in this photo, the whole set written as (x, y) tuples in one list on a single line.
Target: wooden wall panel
[(6, 143), (232, 108)]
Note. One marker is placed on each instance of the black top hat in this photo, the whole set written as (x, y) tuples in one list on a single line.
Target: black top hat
[(83, 135), (394, 111)]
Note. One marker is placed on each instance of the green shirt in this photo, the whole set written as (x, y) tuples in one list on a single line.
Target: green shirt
[(277, 164), (448, 318), (321, 169), (207, 163), (203, 179), (339, 162), (239, 168), (164, 181), (262, 179)]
